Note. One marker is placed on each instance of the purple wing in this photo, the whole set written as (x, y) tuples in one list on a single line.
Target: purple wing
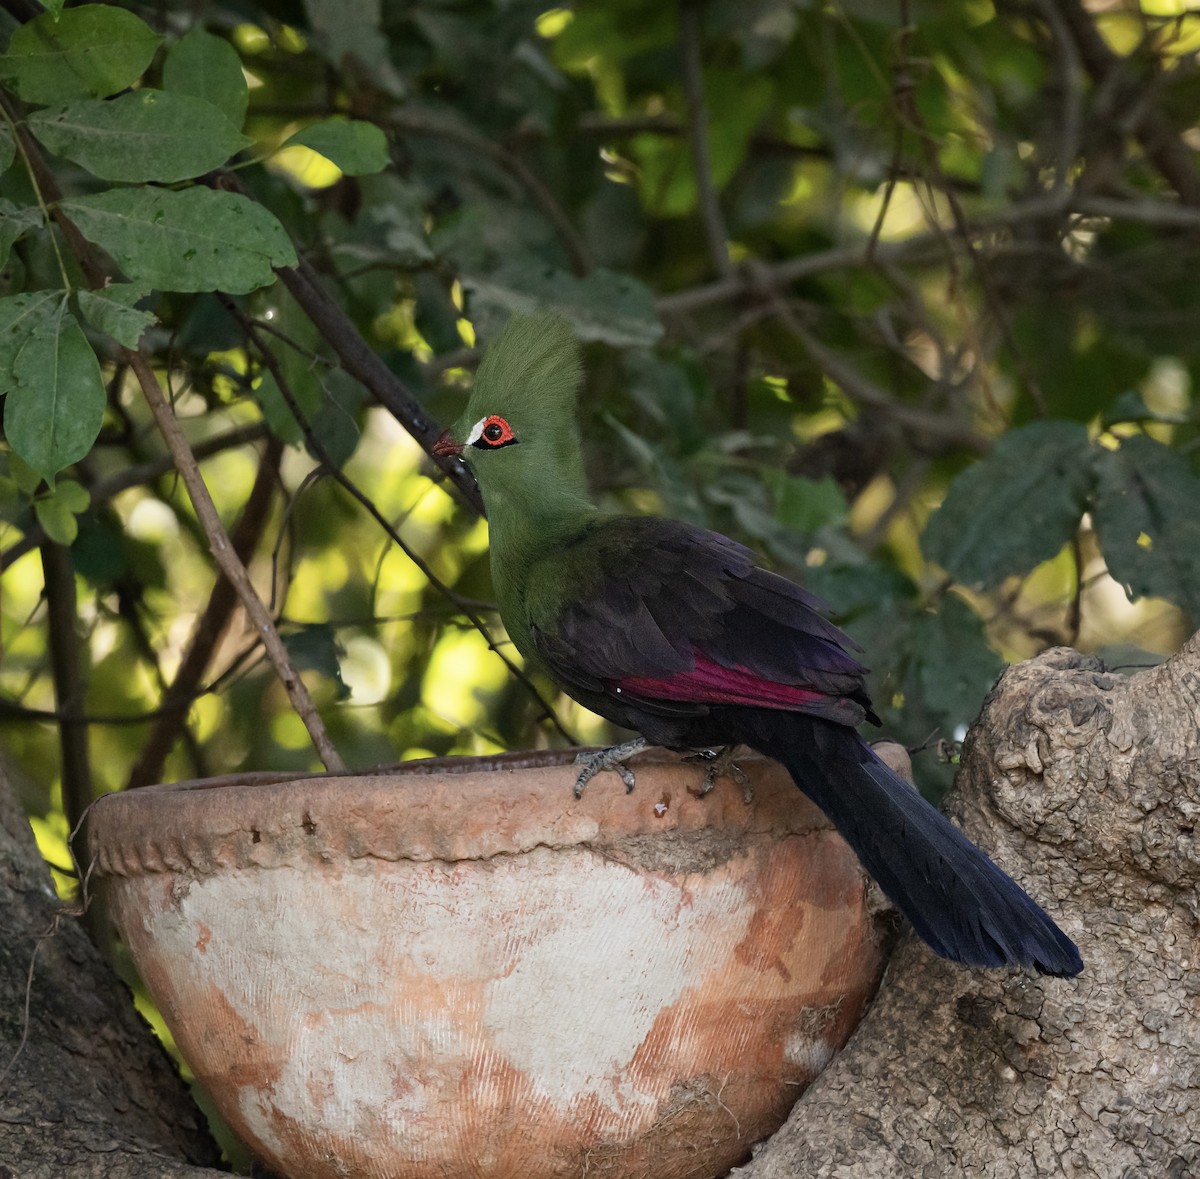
[(675, 618)]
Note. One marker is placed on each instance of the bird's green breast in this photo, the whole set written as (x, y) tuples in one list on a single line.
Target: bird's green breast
[(537, 571)]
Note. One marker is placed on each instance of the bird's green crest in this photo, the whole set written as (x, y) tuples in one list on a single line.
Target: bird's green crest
[(520, 437), (531, 368), (519, 432)]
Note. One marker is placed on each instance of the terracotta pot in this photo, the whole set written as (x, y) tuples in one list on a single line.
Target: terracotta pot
[(460, 970)]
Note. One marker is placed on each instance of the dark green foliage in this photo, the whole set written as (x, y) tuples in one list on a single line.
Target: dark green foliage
[(943, 372), (1147, 518), (1015, 508)]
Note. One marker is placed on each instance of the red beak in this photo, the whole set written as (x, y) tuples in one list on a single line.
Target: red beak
[(446, 447)]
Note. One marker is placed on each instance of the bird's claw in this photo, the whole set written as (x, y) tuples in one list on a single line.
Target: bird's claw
[(721, 764), (612, 758)]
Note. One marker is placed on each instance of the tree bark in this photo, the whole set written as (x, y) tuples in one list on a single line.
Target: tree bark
[(1086, 786), (85, 1089)]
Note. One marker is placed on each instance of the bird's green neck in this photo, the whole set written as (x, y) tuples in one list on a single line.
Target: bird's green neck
[(527, 519)]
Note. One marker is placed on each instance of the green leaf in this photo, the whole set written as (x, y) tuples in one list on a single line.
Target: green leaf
[(1014, 508), (25, 477), (57, 520), (111, 311), (807, 504), (14, 223), (336, 422), (8, 149), (91, 51), (614, 308), (348, 34), (20, 317), (315, 648), (275, 410), (74, 495), (1131, 407), (194, 240), (145, 135), (53, 413), (953, 667), (357, 147), (1147, 522), (57, 511), (203, 66)]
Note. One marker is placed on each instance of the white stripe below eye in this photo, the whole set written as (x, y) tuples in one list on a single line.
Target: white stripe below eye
[(476, 432)]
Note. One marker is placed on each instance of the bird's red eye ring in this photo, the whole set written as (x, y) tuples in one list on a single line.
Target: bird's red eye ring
[(492, 433)]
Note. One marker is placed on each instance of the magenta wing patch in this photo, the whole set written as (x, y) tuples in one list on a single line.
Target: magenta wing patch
[(709, 682)]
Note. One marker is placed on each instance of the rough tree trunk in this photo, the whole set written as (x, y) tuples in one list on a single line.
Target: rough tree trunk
[(1085, 785), (91, 1094)]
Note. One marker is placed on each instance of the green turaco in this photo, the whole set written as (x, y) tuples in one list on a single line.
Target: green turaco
[(681, 635)]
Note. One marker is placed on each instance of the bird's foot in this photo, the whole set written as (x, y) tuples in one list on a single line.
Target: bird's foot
[(721, 764), (612, 758)]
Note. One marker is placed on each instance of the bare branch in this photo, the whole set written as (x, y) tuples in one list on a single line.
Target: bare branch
[(208, 627), (111, 486), (227, 559), (921, 425), (1175, 161), (366, 367), (691, 44), (70, 681)]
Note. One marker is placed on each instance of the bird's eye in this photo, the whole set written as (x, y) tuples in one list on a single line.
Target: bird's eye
[(491, 433)]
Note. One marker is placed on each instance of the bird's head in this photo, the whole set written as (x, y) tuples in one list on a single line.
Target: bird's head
[(519, 430)]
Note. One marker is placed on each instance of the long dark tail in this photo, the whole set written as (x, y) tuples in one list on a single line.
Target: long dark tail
[(956, 898)]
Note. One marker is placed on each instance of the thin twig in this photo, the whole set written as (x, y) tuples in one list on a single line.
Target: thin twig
[(233, 569), (1172, 157), (1075, 608), (919, 424), (1067, 66), (70, 681), (691, 45), (11, 711), (365, 366), (911, 250), (208, 628)]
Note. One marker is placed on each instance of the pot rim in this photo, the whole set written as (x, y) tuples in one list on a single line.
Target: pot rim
[(443, 809)]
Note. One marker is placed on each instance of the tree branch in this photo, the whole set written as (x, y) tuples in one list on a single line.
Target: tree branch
[(208, 627), (1175, 161), (365, 366), (921, 425), (1086, 787), (70, 685), (227, 559), (691, 45)]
